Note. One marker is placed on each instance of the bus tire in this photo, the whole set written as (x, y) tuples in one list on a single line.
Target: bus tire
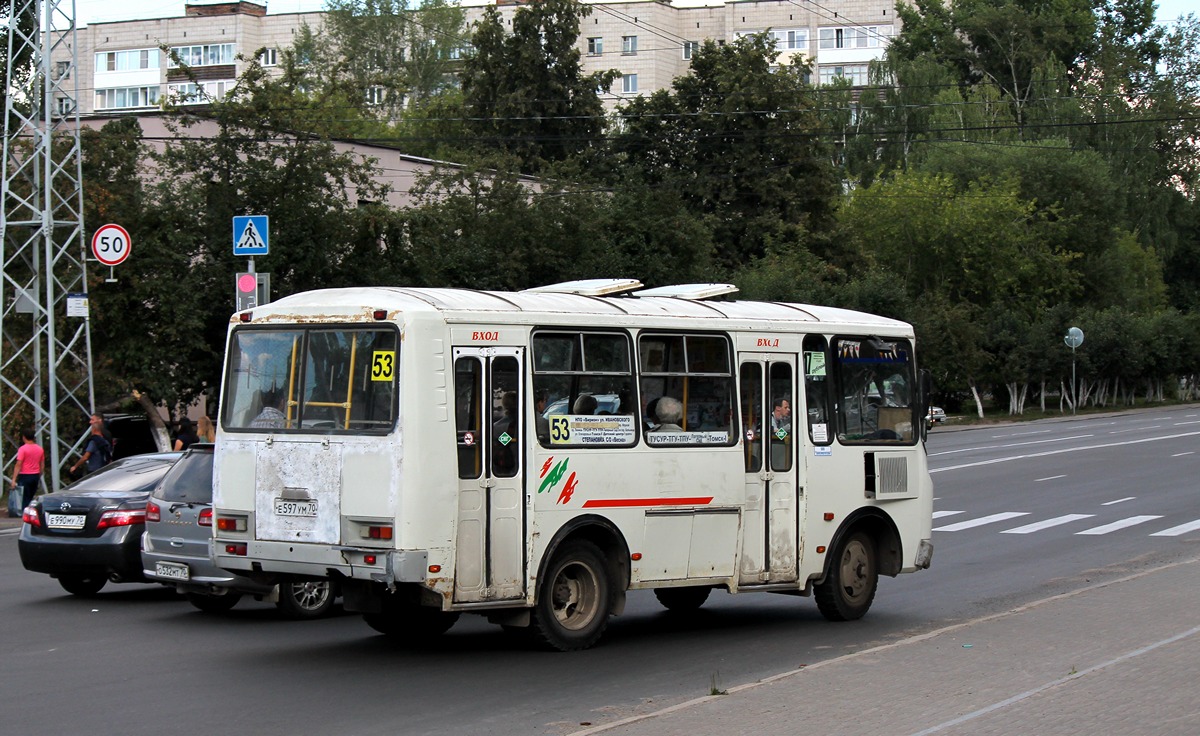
[(682, 600), (572, 607), (850, 584), (411, 624), (302, 599)]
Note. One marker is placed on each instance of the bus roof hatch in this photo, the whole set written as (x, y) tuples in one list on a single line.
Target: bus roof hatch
[(588, 287), (690, 291)]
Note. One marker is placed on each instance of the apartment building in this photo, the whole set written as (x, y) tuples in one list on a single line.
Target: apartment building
[(122, 67)]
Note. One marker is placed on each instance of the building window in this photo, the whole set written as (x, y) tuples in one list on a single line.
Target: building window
[(62, 70), (689, 48), (855, 74), (832, 38), (595, 46), (201, 93), (376, 95), (629, 84), (126, 61), (207, 55), (859, 37), (64, 106), (629, 45), (791, 40), (269, 57), (126, 98)]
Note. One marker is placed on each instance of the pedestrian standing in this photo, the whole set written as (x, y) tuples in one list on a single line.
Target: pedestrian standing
[(98, 451), (204, 428), (187, 435), (27, 473)]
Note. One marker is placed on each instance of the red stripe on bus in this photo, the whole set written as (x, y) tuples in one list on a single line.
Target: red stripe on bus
[(615, 502)]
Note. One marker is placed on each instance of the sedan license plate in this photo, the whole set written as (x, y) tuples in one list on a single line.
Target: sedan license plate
[(171, 571), (65, 521), (293, 507)]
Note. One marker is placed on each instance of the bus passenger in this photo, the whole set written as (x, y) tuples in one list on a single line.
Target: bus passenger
[(669, 411), (541, 399), (651, 417), (585, 404)]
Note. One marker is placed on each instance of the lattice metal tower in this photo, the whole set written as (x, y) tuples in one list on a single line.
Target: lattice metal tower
[(45, 356)]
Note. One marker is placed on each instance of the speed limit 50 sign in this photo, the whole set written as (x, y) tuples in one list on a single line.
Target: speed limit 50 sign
[(111, 244)]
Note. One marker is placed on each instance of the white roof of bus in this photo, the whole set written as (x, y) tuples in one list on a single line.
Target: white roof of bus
[(531, 307)]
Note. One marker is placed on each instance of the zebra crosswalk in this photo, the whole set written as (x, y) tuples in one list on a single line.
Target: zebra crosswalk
[(1059, 521)]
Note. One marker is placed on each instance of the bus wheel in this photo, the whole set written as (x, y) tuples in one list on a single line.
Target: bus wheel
[(849, 587), (682, 600), (572, 608), (412, 624)]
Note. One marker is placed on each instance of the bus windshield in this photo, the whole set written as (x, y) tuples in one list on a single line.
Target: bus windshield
[(311, 380)]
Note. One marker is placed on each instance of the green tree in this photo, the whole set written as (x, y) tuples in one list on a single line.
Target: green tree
[(376, 59), (738, 141), (146, 327), (235, 156), (485, 227), (983, 244), (1003, 42), (525, 94)]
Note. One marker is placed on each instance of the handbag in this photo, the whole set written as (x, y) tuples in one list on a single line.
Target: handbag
[(14, 502)]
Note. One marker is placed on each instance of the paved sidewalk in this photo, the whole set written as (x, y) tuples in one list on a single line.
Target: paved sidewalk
[(1116, 657)]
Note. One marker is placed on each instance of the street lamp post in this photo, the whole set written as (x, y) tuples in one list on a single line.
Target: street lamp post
[(1073, 339)]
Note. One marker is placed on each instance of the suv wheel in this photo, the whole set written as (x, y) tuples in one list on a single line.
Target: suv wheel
[(214, 603), (305, 599)]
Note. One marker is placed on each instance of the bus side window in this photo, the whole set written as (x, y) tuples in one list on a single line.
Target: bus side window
[(816, 389), (468, 413)]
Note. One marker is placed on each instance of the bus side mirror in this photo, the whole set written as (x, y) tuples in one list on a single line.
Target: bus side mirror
[(926, 394)]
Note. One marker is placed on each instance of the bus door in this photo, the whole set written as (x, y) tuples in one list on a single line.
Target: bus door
[(769, 524), (489, 407)]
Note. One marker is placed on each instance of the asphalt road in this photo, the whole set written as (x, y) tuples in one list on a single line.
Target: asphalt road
[(1022, 511)]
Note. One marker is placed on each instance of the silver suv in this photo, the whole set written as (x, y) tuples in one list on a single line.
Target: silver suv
[(176, 548)]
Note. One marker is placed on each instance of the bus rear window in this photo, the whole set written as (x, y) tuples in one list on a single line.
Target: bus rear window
[(311, 380)]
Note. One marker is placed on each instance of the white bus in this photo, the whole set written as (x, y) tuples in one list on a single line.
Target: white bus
[(532, 456)]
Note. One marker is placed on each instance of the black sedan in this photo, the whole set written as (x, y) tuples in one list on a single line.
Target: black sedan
[(90, 532)]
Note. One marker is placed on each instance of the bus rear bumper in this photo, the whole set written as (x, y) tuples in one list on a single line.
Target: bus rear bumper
[(267, 559), (924, 554)]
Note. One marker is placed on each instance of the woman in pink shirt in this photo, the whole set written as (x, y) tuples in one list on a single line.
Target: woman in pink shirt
[(27, 472)]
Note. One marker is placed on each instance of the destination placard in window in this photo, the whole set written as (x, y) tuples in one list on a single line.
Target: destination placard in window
[(575, 429), (687, 438)]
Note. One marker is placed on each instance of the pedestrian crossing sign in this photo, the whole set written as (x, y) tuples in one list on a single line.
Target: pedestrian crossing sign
[(251, 235)]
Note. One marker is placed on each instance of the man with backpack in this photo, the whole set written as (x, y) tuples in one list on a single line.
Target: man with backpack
[(98, 451)]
